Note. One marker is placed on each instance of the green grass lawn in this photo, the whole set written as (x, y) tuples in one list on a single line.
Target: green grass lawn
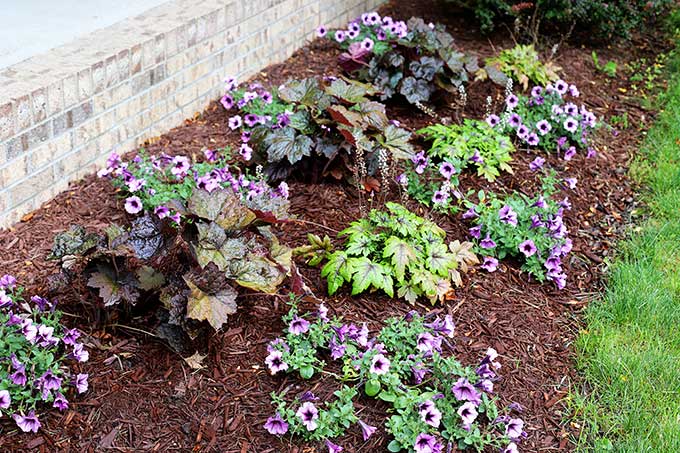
[(629, 353)]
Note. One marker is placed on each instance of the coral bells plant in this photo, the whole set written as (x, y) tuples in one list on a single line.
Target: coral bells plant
[(394, 248), (435, 403), (38, 356), (327, 126), (548, 119), (529, 228), (414, 59)]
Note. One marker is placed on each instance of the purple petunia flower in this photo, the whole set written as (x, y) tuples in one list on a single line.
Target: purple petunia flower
[(162, 212), (463, 390), (570, 153), (235, 122), (230, 83), (425, 443), (528, 248), (275, 363), (427, 342), (333, 448), (446, 169), (340, 36), (591, 153), (251, 119), (511, 101), (276, 425), (133, 205), (308, 414), (321, 31), (27, 423), (493, 120), (540, 203), (471, 213), (543, 127), (366, 430), (571, 182), (8, 281), (180, 166), (245, 151), (5, 399), (487, 242), (511, 448), (379, 365), (468, 413), (536, 222), (79, 353), (367, 44), (60, 402), (477, 158), (490, 264), (515, 120), (508, 215), (514, 428), (445, 327), (536, 164), (227, 102), (476, 232), (80, 382), (440, 197), (337, 349), (532, 139), (571, 125), (298, 326), (561, 86), (536, 91), (522, 131), (430, 414), (19, 376)]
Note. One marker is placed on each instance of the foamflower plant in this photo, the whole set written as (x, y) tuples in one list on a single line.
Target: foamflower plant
[(436, 403), (38, 357)]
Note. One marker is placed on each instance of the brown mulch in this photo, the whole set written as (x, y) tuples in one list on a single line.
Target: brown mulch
[(144, 397)]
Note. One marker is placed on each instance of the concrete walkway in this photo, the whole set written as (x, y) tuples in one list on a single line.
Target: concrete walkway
[(31, 27)]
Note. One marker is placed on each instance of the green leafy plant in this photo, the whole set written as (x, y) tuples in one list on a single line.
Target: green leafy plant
[(219, 237), (331, 126), (433, 400), (521, 63), (609, 68), (415, 60), (397, 249)]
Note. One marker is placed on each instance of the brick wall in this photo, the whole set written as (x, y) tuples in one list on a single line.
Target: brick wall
[(62, 113)]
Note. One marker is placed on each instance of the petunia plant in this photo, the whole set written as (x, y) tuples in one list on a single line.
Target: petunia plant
[(435, 403), (199, 230), (395, 249), (414, 59), (317, 126), (529, 228), (548, 119), (39, 357)]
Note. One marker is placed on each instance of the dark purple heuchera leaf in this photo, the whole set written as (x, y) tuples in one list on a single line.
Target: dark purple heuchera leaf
[(355, 58), (112, 289), (145, 237), (74, 241)]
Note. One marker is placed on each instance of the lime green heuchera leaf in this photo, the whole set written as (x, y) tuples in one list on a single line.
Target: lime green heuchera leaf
[(337, 271), (258, 273), (149, 278), (214, 308), (366, 273), (350, 91), (439, 260), (401, 253), (410, 292)]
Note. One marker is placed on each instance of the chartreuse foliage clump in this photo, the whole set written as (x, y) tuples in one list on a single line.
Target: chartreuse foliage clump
[(529, 228), (200, 229), (414, 59), (435, 403), (39, 357), (328, 125), (522, 64), (398, 252)]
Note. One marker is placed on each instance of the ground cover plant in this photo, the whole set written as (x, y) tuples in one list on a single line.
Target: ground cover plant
[(548, 119), (517, 225), (522, 64), (394, 248), (39, 357), (200, 229), (415, 59), (436, 403), (628, 350), (332, 123)]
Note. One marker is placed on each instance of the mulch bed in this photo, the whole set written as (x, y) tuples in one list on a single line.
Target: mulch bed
[(143, 396)]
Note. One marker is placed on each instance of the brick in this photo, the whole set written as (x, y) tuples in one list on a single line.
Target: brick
[(70, 91), (37, 135), (98, 77), (39, 157), (39, 100), (22, 109), (12, 172), (157, 74), (7, 126), (141, 82), (136, 53), (123, 64), (55, 98), (85, 84), (27, 188)]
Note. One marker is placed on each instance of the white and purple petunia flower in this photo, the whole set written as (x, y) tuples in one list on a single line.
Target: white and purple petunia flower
[(511, 102), (235, 122), (133, 205), (5, 399), (468, 413), (425, 443), (570, 153), (81, 383), (463, 390), (493, 120), (446, 169), (27, 423), (430, 414), (543, 127), (490, 264), (514, 428), (366, 430), (321, 31), (275, 362), (379, 365), (528, 248), (507, 215), (536, 164), (487, 242), (308, 414), (276, 425), (298, 326)]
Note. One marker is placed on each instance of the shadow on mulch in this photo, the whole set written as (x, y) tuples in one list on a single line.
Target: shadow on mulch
[(143, 396)]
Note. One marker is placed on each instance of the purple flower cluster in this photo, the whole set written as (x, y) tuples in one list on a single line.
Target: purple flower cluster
[(546, 118), (175, 172), (34, 329), (366, 30)]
